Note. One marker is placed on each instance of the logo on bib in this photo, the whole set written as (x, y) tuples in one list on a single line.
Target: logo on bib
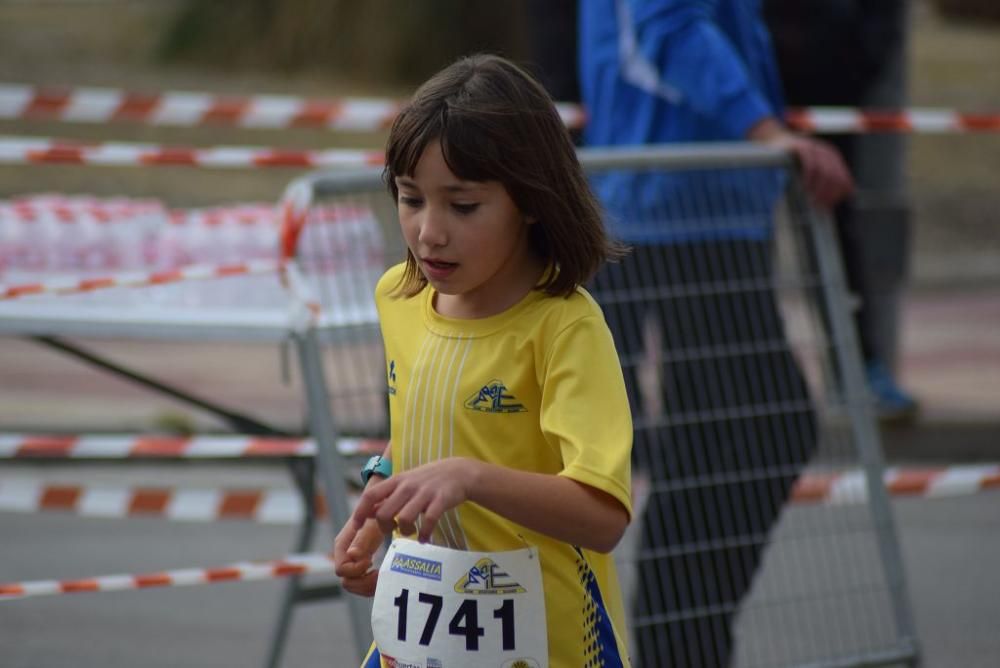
[(487, 578), (520, 663), (422, 568), (393, 662), (493, 397)]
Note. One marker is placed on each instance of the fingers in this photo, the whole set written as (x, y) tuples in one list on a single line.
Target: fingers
[(370, 499), (371, 504), (354, 552), (363, 585), (343, 541), (379, 503), (432, 514), (368, 540), (357, 561), (832, 181), (417, 508), (399, 511), (353, 569), (423, 494), (824, 174), (354, 549)]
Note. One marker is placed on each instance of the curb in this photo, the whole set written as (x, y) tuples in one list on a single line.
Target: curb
[(942, 440)]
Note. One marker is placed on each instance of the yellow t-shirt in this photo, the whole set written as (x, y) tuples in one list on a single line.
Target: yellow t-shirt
[(537, 388)]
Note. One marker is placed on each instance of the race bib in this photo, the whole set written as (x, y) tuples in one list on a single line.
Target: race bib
[(441, 608)]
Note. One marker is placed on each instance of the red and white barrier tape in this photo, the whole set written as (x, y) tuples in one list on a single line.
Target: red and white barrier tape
[(851, 487), (34, 150), (833, 488), (73, 285), (277, 506), (29, 446), (69, 209), (271, 506), (104, 105), (844, 120), (293, 564), (42, 150)]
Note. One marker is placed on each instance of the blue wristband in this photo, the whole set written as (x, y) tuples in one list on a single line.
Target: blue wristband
[(377, 464)]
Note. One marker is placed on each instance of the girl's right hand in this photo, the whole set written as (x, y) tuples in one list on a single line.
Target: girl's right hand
[(425, 493), (353, 557)]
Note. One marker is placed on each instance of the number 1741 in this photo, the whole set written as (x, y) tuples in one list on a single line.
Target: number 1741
[(465, 621)]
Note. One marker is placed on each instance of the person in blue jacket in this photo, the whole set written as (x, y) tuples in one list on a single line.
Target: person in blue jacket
[(733, 422)]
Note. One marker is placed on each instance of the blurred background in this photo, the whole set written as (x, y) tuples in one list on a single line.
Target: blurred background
[(330, 49), (333, 48)]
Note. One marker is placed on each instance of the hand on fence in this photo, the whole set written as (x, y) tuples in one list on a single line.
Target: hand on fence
[(825, 175), (353, 557)]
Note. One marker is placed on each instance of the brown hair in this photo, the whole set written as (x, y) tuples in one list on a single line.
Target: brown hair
[(496, 123)]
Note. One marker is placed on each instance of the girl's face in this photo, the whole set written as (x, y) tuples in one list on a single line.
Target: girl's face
[(468, 237)]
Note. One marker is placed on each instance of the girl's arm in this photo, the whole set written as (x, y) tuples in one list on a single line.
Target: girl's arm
[(557, 506)]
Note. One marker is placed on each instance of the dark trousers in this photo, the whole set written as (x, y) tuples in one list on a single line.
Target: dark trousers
[(874, 244), (735, 429)]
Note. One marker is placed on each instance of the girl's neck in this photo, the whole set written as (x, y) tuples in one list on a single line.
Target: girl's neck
[(518, 281)]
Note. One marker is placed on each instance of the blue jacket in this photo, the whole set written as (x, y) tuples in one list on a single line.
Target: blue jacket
[(671, 71)]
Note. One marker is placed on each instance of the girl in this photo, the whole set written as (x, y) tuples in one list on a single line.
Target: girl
[(510, 426)]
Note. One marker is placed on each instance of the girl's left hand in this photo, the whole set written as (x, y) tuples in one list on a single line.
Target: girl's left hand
[(353, 553), (426, 492)]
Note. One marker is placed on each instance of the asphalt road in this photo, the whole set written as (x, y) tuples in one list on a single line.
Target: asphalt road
[(951, 549)]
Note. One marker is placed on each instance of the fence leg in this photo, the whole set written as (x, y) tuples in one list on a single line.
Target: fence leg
[(331, 470), (833, 292), (303, 474)]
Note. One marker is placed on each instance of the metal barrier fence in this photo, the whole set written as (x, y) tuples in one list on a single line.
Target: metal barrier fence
[(225, 305), (732, 321)]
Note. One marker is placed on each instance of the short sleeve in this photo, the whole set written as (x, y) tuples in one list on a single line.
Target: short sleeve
[(585, 411)]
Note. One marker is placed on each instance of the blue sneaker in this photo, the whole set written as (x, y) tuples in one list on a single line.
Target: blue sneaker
[(892, 403)]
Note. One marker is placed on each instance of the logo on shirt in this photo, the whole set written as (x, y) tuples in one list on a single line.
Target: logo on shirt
[(487, 578), (494, 398), (392, 376)]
